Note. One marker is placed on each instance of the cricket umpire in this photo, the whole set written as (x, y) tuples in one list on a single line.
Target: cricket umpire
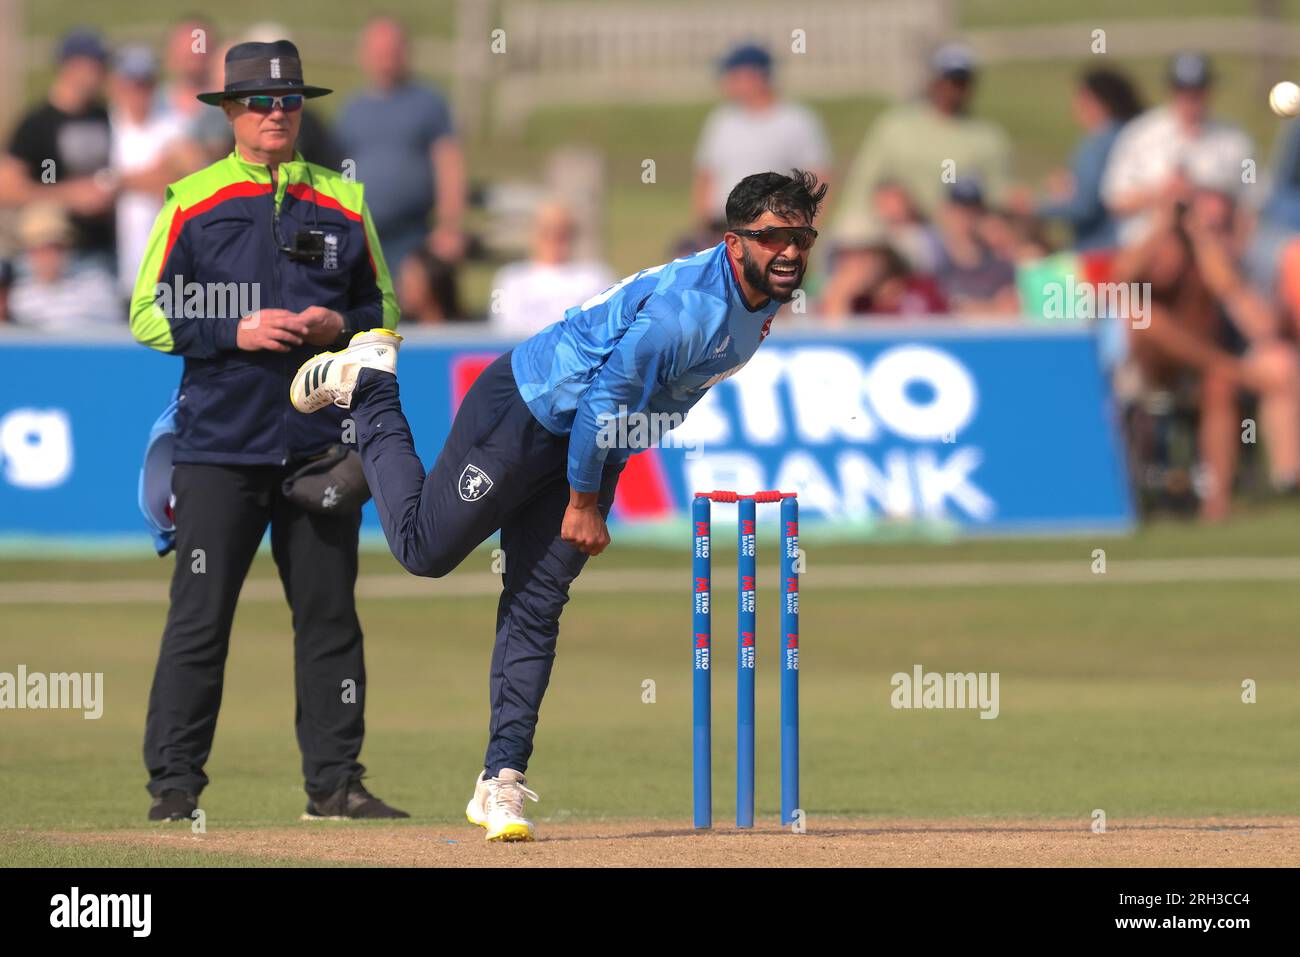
[(254, 264)]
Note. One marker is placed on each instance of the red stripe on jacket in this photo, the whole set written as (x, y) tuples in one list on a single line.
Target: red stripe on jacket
[(182, 216)]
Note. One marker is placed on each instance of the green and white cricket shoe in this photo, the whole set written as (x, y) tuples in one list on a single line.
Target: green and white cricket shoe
[(498, 806), (331, 376)]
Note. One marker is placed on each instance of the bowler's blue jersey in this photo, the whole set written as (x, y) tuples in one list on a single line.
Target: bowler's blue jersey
[(653, 343)]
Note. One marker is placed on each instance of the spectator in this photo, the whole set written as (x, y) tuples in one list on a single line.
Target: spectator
[(193, 62), (1274, 254), (427, 290), (399, 133), (533, 294), (877, 280), (915, 144), (60, 151), (974, 277), (1014, 237), (1287, 283), (51, 290), (1103, 102), (754, 132), (1042, 275), (1169, 151), (905, 229), (145, 156), (1283, 203), (1208, 324)]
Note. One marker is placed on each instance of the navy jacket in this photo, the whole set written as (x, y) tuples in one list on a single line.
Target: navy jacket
[(214, 256)]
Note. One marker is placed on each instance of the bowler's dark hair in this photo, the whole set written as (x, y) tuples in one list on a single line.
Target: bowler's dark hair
[(1115, 92), (790, 197)]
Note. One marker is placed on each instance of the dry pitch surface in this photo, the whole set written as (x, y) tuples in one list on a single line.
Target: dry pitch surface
[(834, 843)]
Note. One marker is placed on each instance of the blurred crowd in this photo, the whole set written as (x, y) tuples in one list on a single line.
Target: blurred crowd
[(86, 169), (84, 174), (927, 219)]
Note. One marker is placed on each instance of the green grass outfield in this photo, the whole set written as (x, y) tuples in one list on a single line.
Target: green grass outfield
[(1116, 694)]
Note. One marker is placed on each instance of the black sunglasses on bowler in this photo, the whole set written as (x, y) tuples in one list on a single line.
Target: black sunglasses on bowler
[(778, 237)]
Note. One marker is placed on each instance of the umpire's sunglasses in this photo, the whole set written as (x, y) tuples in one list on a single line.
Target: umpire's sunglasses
[(778, 237), (289, 102)]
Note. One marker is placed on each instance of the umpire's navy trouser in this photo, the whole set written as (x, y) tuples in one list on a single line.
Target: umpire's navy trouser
[(221, 515), (499, 469)]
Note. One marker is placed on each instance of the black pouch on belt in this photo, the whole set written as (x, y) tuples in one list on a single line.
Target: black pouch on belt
[(330, 484)]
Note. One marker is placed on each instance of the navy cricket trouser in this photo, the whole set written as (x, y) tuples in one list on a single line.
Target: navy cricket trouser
[(499, 469)]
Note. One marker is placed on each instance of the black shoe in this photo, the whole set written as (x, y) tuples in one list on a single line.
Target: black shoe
[(173, 804), (350, 802)]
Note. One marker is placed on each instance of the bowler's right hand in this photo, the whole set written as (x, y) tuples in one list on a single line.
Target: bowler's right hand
[(584, 526)]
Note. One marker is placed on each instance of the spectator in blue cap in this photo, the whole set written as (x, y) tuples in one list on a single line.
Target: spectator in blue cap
[(754, 132), (974, 277), (59, 152), (82, 43), (747, 55)]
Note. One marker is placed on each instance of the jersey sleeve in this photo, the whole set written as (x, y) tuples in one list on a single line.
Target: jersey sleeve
[(649, 354)]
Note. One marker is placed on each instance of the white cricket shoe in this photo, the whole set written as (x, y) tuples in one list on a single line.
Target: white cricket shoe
[(331, 376), (498, 806)]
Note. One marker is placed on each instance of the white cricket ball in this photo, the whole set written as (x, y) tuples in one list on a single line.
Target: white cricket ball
[(1284, 99)]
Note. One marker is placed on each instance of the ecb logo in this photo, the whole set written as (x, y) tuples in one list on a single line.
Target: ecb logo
[(474, 483)]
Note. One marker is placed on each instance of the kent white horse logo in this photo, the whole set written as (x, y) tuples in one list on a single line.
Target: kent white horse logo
[(474, 483)]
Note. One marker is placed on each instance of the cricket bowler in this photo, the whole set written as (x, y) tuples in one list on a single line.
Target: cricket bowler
[(525, 455)]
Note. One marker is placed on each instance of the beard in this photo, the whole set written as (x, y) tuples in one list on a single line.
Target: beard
[(762, 279)]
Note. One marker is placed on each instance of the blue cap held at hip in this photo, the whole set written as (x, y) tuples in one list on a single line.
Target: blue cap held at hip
[(155, 489)]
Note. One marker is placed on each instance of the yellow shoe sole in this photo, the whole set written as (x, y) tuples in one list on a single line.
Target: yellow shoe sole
[(511, 833)]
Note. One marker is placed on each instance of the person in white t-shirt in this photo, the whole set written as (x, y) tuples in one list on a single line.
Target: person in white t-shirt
[(530, 295), (1170, 151), (143, 150), (755, 132)]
